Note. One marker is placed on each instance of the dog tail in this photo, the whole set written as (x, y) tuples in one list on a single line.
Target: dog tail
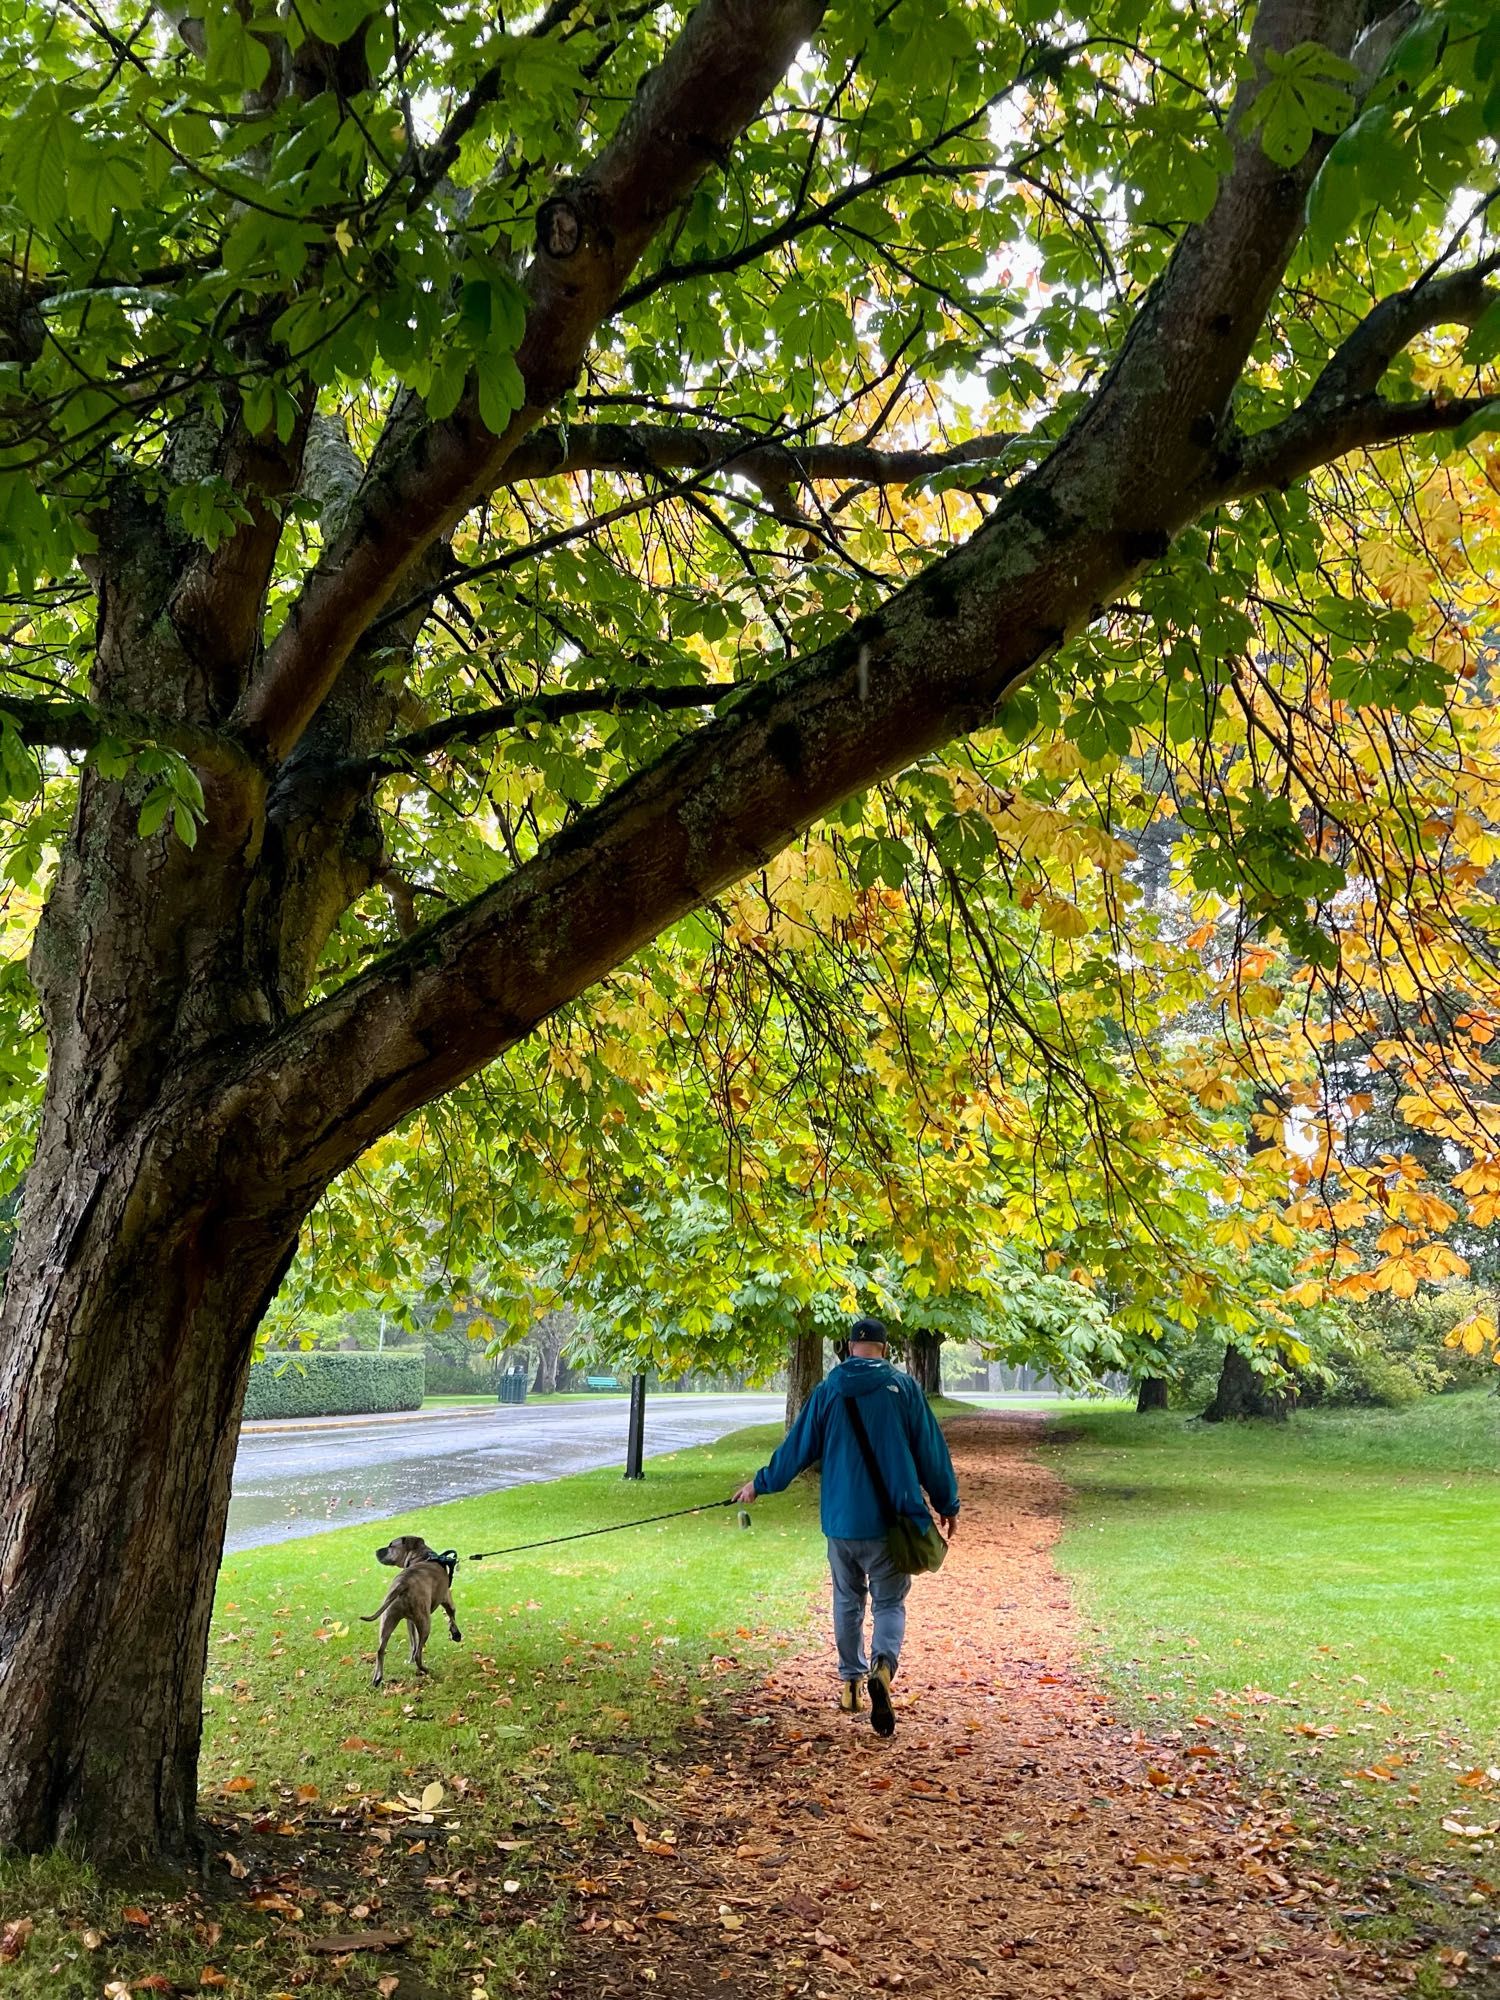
[(369, 1617)]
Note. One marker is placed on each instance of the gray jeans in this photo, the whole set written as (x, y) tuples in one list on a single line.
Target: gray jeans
[(861, 1570)]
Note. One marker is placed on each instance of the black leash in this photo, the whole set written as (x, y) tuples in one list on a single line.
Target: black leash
[(518, 1548)]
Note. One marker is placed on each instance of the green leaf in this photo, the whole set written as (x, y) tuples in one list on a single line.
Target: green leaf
[(101, 187), (1483, 343), (40, 154), (1309, 91), (334, 20), (234, 54), (154, 812), (501, 390)]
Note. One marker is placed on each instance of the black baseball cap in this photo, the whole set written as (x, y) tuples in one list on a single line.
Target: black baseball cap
[(869, 1329)]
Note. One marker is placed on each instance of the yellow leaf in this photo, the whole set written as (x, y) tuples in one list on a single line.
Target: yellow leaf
[(1062, 918), (1474, 1334)]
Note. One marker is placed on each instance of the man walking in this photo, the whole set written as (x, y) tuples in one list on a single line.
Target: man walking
[(910, 1454)]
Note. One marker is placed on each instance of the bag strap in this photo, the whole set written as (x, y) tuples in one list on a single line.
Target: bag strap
[(867, 1453)]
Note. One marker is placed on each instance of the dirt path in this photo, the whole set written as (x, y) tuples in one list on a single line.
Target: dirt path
[(1013, 1838)]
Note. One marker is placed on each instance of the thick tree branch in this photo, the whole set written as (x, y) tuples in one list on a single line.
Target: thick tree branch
[(1342, 411), (79, 727), (713, 82), (1279, 457), (1458, 299)]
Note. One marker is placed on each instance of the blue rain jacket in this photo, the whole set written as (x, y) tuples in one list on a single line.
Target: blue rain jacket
[(909, 1448)]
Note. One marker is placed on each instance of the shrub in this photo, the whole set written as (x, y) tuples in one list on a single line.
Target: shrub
[(452, 1378), (1379, 1379), (320, 1384)]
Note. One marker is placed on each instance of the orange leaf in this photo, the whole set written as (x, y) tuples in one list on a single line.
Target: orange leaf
[(13, 1938), (862, 1832), (269, 1900), (238, 1785), (133, 1914), (211, 1976)]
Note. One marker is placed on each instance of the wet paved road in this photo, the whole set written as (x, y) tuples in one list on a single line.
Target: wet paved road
[(288, 1484)]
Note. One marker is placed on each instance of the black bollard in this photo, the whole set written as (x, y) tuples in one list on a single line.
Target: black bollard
[(635, 1441)]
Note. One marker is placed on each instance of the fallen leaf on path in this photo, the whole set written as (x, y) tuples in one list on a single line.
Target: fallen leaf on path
[(643, 1838), (862, 1832), (234, 1864), (272, 1900)]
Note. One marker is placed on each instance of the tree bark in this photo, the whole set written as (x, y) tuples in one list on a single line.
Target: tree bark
[(1243, 1393), (551, 1334), (1151, 1394), (804, 1370), (129, 1321), (924, 1361)]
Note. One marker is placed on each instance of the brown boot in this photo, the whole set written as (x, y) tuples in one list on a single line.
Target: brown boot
[(848, 1697)]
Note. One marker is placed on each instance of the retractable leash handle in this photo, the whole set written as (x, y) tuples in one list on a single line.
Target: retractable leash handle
[(613, 1528)]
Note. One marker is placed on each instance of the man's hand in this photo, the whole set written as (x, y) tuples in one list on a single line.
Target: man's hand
[(746, 1494), (949, 1525)]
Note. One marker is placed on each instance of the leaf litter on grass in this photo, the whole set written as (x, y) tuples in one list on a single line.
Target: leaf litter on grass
[(1012, 1838)]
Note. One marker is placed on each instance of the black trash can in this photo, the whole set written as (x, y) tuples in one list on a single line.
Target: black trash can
[(513, 1386)]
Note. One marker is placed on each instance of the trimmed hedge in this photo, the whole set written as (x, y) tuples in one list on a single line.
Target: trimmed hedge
[(320, 1384)]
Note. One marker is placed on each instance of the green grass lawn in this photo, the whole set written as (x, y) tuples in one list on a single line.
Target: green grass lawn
[(1323, 1593), (579, 1665)]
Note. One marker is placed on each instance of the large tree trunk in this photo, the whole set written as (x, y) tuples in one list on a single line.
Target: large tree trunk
[(804, 1370), (1243, 1393), (130, 1311), (161, 1210), (1151, 1394), (551, 1335), (924, 1360)]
